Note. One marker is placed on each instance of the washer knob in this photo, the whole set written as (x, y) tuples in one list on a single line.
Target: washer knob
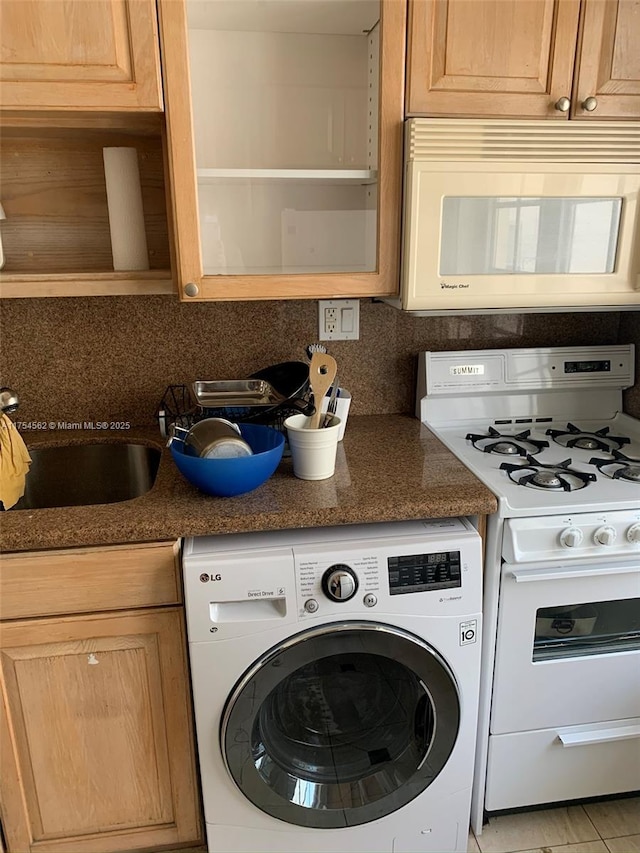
[(571, 537), (633, 533), (604, 536), (340, 582)]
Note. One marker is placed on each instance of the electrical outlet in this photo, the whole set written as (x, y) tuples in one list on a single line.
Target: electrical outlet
[(338, 319), (330, 321)]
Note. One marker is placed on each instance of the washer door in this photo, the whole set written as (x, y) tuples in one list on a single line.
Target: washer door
[(341, 725)]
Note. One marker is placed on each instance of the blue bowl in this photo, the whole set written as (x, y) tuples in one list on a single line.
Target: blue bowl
[(236, 475)]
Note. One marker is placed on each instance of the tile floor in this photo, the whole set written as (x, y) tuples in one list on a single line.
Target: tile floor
[(611, 826)]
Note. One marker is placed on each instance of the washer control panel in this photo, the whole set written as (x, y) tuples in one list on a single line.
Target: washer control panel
[(360, 581), (424, 572)]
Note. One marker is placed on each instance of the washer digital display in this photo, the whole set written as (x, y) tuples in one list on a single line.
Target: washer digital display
[(424, 572)]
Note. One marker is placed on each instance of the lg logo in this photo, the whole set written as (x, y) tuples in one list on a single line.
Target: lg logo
[(204, 577)]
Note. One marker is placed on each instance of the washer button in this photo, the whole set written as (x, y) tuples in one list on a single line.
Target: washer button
[(311, 605), (370, 600)]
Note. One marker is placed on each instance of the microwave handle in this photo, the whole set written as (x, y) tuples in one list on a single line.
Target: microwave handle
[(527, 575), (573, 738)]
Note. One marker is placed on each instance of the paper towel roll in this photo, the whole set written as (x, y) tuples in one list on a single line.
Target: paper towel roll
[(126, 216)]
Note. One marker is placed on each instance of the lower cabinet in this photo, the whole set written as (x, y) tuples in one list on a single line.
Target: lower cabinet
[(95, 733)]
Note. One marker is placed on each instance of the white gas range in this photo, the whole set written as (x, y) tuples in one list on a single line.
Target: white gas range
[(544, 430)]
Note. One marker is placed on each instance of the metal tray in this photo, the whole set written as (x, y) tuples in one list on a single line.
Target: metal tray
[(234, 392)]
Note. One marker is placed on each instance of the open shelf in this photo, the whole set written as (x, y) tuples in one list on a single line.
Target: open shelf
[(56, 234), (20, 285)]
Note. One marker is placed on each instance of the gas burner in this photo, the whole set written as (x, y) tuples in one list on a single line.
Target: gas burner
[(581, 440), (507, 445), (559, 477), (621, 467)]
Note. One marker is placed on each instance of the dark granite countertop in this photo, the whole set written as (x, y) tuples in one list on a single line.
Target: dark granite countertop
[(389, 468)]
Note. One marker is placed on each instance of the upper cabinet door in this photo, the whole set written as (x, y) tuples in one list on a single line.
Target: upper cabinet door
[(491, 57), (74, 54), (284, 124), (608, 65)]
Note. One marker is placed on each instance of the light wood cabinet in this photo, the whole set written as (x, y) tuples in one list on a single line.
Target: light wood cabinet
[(71, 54), (608, 62), (77, 76), (524, 58), (95, 719), (284, 146)]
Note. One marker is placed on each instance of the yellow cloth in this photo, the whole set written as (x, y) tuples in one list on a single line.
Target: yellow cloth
[(14, 463)]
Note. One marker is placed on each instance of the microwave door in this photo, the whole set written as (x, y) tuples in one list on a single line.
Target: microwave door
[(492, 231)]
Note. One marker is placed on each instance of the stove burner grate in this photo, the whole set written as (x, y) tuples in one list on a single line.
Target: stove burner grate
[(559, 477), (621, 467), (575, 437), (507, 445)]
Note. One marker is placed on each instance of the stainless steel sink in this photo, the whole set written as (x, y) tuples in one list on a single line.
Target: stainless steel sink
[(84, 474)]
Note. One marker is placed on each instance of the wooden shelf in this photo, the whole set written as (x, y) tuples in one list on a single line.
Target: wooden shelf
[(23, 285), (324, 176)]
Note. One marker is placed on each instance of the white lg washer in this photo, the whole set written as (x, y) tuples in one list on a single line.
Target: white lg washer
[(335, 676)]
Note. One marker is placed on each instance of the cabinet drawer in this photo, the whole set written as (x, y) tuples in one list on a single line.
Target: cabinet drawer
[(564, 763), (86, 580)]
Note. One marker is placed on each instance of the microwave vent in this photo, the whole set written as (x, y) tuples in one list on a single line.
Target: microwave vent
[(456, 140)]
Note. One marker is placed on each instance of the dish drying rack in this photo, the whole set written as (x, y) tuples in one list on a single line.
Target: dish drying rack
[(179, 407)]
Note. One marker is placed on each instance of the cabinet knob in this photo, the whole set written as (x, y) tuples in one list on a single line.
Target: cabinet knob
[(191, 289), (562, 104), (589, 104)]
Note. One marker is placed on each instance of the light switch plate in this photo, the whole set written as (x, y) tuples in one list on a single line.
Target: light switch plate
[(338, 319)]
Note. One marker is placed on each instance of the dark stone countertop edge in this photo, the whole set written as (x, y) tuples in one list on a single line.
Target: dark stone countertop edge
[(389, 468)]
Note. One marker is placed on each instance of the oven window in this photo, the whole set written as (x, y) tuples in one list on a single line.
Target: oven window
[(594, 628)]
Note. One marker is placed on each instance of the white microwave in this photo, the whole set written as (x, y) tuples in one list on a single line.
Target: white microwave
[(520, 216)]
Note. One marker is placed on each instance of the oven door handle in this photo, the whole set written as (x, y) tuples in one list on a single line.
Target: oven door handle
[(527, 575), (568, 737)]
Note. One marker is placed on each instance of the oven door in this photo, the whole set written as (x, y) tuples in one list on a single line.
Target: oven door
[(568, 645)]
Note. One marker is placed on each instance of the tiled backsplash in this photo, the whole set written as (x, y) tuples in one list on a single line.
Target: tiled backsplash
[(111, 358)]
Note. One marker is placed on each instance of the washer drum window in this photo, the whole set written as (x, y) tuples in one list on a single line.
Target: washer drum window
[(341, 725)]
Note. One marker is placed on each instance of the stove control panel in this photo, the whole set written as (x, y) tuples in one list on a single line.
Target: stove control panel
[(605, 535), (633, 533), (571, 537), (580, 536)]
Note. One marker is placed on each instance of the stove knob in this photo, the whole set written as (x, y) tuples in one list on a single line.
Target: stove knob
[(633, 533), (340, 582), (604, 536), (571, 537)]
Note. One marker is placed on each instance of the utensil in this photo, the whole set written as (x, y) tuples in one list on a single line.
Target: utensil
[(332, 405), (322, 372), (342, 404), (311, 348)]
